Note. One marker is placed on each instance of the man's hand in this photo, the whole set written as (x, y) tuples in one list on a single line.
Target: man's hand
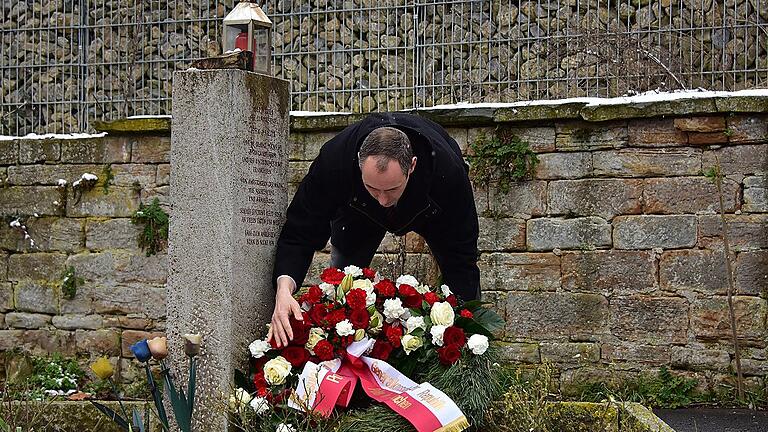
[(285, 306)]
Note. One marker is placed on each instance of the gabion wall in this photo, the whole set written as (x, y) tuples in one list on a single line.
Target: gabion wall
[(67, 62)]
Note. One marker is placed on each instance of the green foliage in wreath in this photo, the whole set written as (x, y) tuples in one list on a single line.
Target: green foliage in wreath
[(154, 237), (500, 159)]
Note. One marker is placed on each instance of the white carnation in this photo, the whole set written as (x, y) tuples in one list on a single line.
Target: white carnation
[(345, 328), (285, 427), (370, 299), (353, 271), (260, 405), (413, 323), (446, 291), (478, 344), (258, 348), (393, 309), (328, 290), (408, 280), (437, 332)]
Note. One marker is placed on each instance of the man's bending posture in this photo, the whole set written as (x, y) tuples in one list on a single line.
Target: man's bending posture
[(389, 172)]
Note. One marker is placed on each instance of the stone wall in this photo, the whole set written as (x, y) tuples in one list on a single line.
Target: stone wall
[(363, 55), (608, 262)]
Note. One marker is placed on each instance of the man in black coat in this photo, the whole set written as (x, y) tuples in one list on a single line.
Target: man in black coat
[(389, 172)]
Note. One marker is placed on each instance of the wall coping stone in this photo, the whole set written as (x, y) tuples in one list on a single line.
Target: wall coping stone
[(488, 114)]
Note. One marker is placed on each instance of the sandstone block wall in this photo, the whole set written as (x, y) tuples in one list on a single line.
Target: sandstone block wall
[(609, 261)]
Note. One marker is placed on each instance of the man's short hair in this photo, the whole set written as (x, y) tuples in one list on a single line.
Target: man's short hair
[(385, 144)]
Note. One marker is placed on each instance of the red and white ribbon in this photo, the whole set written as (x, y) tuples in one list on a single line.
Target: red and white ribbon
[(331, 383)]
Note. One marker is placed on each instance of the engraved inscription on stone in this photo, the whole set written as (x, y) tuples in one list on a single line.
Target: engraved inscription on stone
[(259, 191)]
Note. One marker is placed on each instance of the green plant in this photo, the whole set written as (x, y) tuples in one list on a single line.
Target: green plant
[(69, 283), (54, 374), (154, 236), (107, 178), (501, 159), (661, 390)]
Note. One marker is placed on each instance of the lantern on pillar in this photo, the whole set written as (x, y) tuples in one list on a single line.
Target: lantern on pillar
[(248, 28)]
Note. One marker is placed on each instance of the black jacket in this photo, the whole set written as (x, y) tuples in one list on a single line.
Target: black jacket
[(437, 203)]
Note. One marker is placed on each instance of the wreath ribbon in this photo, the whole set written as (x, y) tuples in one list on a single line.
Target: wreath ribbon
[(325, 385)]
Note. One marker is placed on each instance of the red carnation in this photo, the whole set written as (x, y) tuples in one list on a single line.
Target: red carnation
[(466, 313), (296, 355), (411, 297), (381, 350), (336, 317), (312, 296), (356, 298), (317, 313), (385, 289), (454, 336), (369, 273), (431, 298), (359, 318), (332, 275), (451, 299), (394, 334), (324, 350), (300, 330), (448, 355), (259, 381)]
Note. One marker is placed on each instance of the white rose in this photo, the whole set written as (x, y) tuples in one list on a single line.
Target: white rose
[(285, 427), (393, 309), (239, 399), (442, 314), (408, 280), (328, 290), (413, 323), (437, 334), (353, 271), (478, 344), (411, 343), (258, 348), (260, 405), (363, 284), (344, 328), (422, 289), (446, 291), (276, 370), (315, 335)]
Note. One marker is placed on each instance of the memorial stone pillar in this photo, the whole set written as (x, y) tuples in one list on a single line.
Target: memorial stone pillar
[(229, 194)]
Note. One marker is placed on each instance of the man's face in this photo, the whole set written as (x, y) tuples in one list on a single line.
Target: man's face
[(385, 186)]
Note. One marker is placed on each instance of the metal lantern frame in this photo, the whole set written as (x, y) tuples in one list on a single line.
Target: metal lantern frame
[(249, 18)]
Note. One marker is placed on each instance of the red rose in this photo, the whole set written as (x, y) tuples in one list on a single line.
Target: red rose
[(448, 355), (454, 336), (356, 298), (324, 350), (312, 296), (381, 350), (411, 297), (431, 298), (336, 317), (296, 355), (451, 299), (385, 289), (332, 275), (359, 318), (466, 313), (300, 330), (369, 273), (317, 313), (393, 334)]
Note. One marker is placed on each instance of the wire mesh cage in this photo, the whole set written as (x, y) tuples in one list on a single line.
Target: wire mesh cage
[(65, 63)]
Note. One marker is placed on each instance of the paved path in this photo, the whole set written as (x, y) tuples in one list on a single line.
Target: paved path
[(715, 420)]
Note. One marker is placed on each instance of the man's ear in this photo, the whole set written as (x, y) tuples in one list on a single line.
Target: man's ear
[(413, 166)]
